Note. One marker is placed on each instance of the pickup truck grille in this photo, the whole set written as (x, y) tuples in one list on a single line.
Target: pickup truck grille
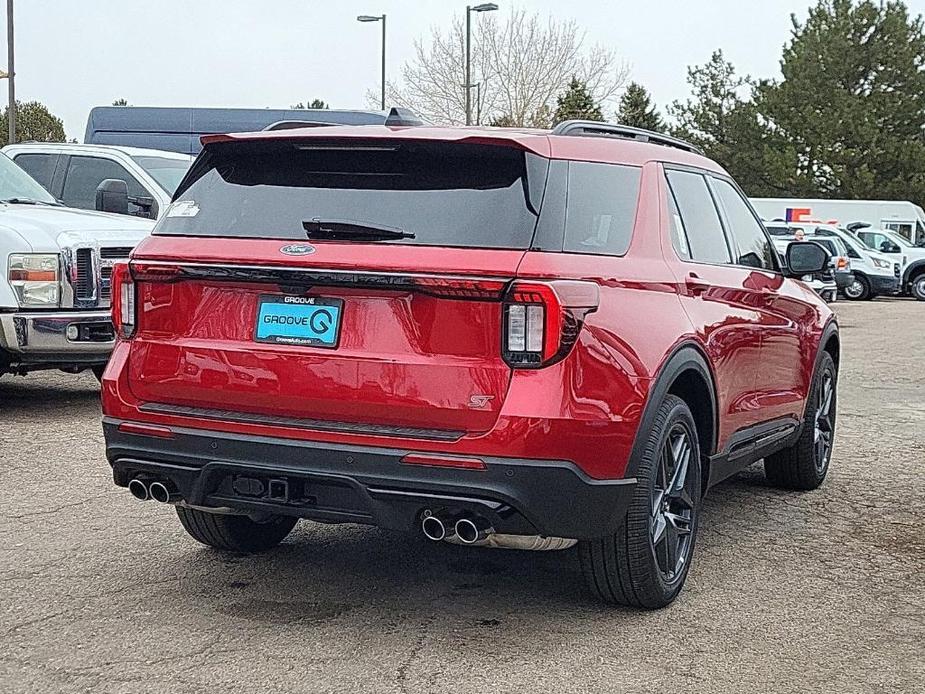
[(84, 283), (92, 284)]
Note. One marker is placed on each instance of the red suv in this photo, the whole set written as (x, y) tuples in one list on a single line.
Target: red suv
[(495, 337)]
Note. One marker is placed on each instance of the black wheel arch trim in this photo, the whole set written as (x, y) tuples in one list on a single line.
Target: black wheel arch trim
[(915, 268), (684, 357)]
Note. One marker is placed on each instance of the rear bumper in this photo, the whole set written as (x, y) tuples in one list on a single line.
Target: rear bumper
[(360, 484), (38, 337), (844, 279)]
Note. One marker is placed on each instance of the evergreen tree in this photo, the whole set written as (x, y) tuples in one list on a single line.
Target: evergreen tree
[(851, 105), (314, 103), (722, 120), (637, 110), (33, 122), (121, 102), (577, 103)]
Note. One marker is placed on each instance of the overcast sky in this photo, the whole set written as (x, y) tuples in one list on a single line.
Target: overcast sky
[(273, 53)]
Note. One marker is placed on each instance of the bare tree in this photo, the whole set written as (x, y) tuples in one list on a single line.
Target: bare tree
[(520, 64)]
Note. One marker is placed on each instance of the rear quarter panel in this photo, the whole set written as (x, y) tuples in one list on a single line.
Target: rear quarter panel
[(596, 396)]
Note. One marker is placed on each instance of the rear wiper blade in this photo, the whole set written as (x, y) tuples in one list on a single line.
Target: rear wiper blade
[(349, 230)]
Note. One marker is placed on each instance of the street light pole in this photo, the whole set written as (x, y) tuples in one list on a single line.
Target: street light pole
[(378, 18), (485, 7), (468, 65), (11, 71)]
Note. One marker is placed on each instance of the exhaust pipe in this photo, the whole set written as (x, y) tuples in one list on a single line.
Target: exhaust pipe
[(472, 531), (139, 489), (164, 492), (435, 529)]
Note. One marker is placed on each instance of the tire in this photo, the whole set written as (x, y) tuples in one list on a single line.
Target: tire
[(918, 287), (804, 465), (235, 533), (859, 290), (632, 567)]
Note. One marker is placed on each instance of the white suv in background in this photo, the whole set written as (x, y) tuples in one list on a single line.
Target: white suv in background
[(74, 174), (896, 245), (875, 273)]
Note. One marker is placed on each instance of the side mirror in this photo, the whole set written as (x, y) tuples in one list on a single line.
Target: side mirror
[(147, 204), (806, 258), (889, 247), (112, 196)]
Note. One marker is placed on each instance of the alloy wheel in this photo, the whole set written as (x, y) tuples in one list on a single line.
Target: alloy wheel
[(855, 290), (673, 506), (825, 422), (918, 288)]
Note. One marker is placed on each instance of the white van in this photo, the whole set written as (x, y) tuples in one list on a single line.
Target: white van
[(913, 257), (875, 274), (901, 216)]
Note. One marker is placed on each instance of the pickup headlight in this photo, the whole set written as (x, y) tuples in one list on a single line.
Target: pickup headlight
[(35, 277), (882, 264)]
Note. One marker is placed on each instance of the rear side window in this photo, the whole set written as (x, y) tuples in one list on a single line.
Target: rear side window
[(753, 247), (706, 241), (444, 193), (40, 166), (601, 207)]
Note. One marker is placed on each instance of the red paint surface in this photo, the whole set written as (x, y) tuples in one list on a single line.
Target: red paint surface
[(411, 359)]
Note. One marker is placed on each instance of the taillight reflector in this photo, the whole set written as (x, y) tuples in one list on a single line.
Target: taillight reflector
[(443, 461), (154, 430)]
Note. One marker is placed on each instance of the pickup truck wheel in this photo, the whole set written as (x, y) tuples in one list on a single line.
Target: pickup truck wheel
[(804, 465), (859, 290), (645, 563), (235, 533), (918, 287)]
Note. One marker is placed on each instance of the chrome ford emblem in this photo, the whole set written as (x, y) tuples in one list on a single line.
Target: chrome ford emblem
[(297, 249)]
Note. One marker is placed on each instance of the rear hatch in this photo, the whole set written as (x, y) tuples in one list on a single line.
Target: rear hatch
[(336, 285)]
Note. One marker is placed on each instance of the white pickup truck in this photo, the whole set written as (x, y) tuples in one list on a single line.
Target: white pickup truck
[(54, 287)]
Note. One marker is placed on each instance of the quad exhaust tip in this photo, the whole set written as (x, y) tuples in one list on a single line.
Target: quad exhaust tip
[(434, 528), (471, 531), (139, 489), (162, 492)]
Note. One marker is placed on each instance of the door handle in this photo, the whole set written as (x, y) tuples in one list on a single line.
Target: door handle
[(695, 285)]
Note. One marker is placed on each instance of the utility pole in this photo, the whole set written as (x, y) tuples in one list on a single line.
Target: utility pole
[(11, 72)]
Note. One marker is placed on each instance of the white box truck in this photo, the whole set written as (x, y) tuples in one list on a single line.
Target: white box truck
[(903, 217)]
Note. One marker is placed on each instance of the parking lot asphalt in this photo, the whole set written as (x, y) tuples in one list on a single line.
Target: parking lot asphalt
[(789, 592)]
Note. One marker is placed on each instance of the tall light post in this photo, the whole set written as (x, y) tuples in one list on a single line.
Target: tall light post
[(377, 18), (484, 7), (11, 72)]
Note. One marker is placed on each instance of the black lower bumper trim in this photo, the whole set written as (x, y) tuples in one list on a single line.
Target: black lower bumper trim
[(355, 484)]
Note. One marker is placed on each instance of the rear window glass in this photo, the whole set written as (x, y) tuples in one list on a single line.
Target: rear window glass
[(601, 207), (446, 194)]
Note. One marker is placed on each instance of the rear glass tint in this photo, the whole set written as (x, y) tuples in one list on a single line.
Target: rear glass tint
[(601, 207), (446, 194)]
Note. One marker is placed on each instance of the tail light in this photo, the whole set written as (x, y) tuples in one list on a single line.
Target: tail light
[(123, 301), (842, 263), (542, 320)]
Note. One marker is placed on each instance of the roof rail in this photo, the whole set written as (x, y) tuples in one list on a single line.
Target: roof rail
[(590, 128)]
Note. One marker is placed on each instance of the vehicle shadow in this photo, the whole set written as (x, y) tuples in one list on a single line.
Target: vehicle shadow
[(322, 572), (45, 392)]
